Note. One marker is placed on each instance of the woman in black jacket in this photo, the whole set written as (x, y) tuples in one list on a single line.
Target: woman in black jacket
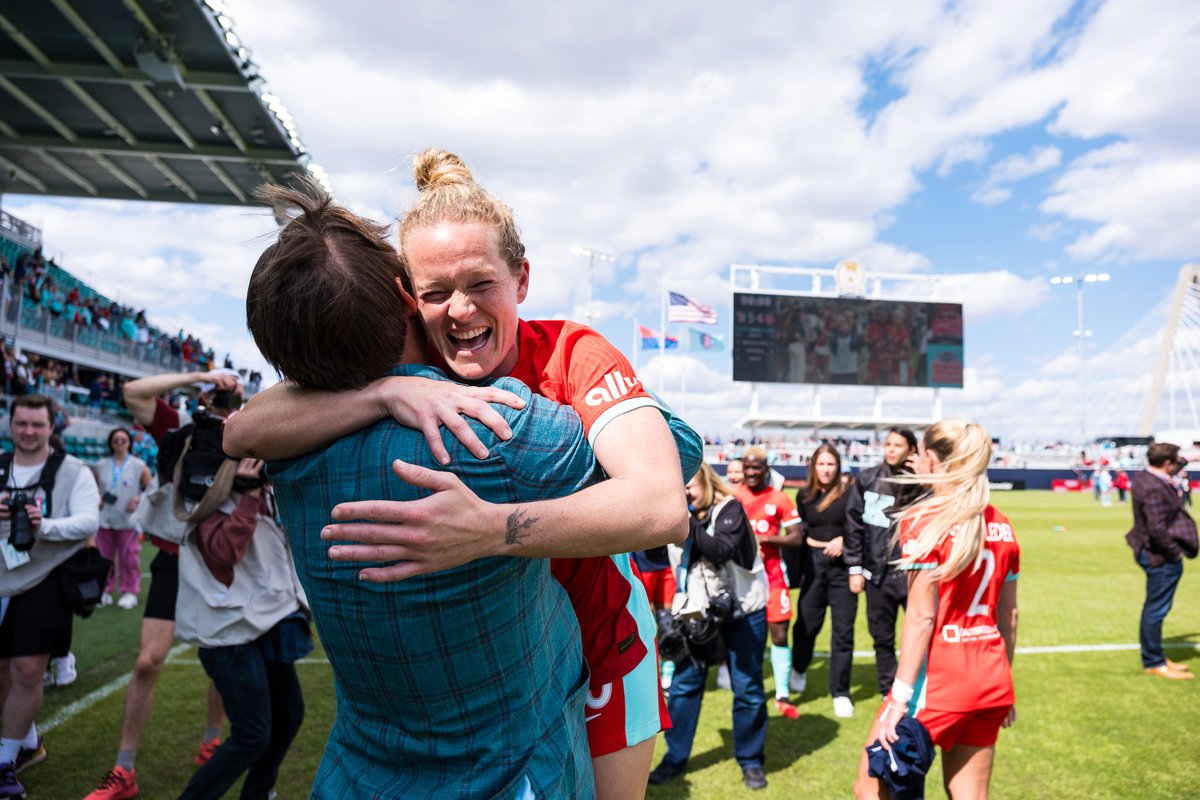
[(721, 543), (824, 575)]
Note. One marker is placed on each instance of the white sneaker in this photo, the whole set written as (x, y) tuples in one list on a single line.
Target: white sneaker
[(64, 670), (105, 599), (723, 681), (128, 600), (798, 682), (843, 706)]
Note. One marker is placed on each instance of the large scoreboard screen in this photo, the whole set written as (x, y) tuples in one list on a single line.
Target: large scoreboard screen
[(856, 341)]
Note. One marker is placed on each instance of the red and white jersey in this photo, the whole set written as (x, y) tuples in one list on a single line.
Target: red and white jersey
[(771, 512), (574, 365), (967, 666)]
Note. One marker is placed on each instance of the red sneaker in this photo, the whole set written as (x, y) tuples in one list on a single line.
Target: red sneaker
[(117, 785), (206, 751), (785, 708)]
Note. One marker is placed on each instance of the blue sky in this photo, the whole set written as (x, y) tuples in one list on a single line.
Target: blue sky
[(1008, 142)]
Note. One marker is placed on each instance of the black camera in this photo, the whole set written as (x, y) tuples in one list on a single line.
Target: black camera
[(109, 498), (21, 537), (223, 398), (672, 642)]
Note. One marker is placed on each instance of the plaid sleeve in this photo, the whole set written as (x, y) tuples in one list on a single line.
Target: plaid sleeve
[(1160, 508), (548, 454)]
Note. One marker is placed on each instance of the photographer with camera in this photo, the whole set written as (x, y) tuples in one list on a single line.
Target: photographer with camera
[(144, 399), (48, 509), (239, 600), (719, 613)]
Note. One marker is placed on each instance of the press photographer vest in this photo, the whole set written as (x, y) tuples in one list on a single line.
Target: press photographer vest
[(60, 471)]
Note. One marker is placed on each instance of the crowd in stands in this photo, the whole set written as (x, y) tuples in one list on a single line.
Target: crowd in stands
[(58, 293)]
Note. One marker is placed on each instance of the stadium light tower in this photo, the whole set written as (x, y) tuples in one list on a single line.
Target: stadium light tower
[(592, 256), (1081, 333)]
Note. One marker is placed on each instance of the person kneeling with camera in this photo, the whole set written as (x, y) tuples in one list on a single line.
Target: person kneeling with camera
[(241, 602), (719, 613)]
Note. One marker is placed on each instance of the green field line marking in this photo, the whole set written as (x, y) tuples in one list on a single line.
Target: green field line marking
[(88, 700)]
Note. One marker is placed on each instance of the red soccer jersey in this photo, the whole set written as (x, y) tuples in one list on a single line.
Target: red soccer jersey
[(573, 365), (967, 667), (770, 512)]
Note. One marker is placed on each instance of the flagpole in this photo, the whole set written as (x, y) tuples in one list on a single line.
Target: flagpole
[(662, 340), (683, 374), (637, 344)]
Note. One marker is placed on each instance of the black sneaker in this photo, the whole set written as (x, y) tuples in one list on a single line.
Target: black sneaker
[(754, 778), (30, 756), (665, 772)]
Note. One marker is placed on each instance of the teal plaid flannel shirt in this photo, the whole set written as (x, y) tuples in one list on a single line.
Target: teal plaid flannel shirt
[(463, 683)]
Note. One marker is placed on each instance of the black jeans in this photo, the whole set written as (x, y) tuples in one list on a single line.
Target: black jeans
[(826, 584), (883, 605), (265, 708)]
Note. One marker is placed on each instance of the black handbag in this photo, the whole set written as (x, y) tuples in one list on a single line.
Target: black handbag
[(82, 578)]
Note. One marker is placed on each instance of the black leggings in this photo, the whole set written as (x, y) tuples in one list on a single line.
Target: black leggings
[(883, 605), (825, 584)]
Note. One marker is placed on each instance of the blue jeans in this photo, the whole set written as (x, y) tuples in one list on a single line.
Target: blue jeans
[(1160, 592), (747, 640), (265, 708)]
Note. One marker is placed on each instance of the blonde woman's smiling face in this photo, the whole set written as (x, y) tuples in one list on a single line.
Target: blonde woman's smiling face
[(467, 297)]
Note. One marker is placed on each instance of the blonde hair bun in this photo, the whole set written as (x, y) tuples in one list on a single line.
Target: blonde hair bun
[(433, 167)]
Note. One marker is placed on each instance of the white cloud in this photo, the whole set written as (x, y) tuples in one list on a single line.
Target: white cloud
[(1141, 200), (1015, 168)]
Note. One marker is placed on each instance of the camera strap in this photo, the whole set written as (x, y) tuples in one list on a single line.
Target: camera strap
[(45, 480)]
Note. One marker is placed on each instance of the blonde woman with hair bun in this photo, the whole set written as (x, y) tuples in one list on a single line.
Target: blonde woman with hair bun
[(468, 274), (960, 628)]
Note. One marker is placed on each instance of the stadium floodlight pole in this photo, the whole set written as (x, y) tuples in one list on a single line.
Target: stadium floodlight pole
[(592, 256), (1081, 333)]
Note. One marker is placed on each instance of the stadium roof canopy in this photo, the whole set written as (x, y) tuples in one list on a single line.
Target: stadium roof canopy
[(137, 99)]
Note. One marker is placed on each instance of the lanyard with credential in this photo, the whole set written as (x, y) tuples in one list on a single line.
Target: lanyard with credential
[(117, 473)]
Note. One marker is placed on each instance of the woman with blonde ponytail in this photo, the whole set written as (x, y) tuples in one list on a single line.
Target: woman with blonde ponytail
[(960, 628)]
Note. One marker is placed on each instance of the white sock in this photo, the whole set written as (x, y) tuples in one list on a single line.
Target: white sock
[(31, 738), (8, 750)]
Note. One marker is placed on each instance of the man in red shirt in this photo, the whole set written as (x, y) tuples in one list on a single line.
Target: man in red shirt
[(776, 524)]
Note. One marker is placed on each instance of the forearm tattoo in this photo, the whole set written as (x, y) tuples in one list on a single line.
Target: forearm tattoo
[(518, 526)]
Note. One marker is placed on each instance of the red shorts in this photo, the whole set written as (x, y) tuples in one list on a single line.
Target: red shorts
[(660, 586), (976, 728), (779, 603), (621, 714)]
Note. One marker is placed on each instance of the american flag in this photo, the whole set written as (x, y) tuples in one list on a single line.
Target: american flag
[(685, 309)]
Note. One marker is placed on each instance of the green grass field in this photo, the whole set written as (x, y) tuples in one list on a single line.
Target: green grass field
[(1090, 725)]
